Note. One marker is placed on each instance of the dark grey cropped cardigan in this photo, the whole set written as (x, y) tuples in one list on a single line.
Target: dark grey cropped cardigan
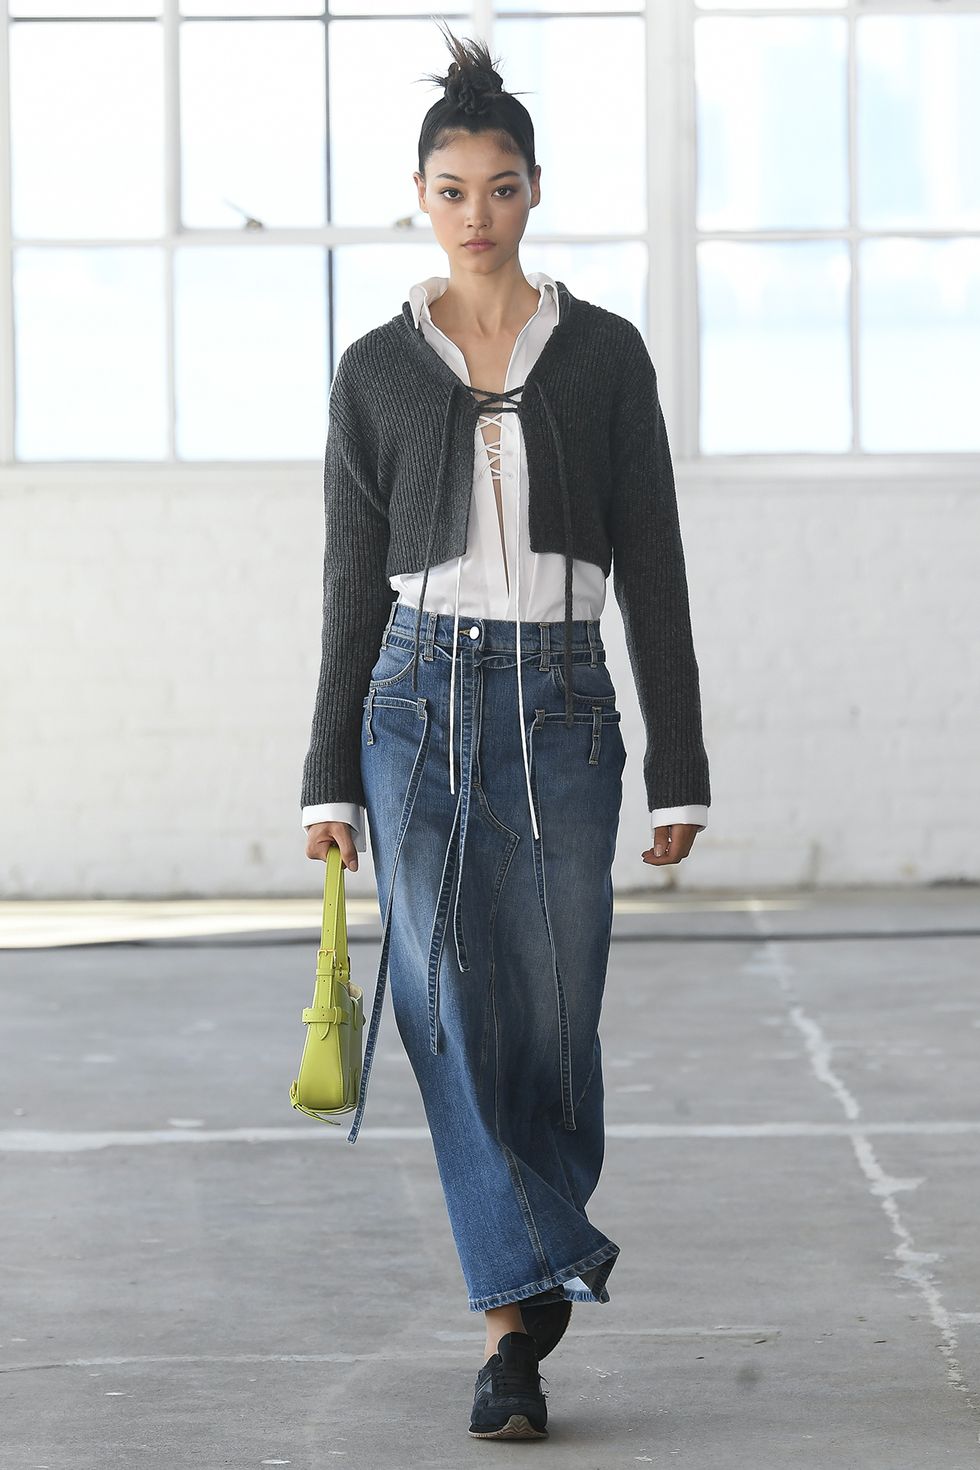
[(398, 479)]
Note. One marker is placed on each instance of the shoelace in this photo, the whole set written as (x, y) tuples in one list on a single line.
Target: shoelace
[(514, 1378)]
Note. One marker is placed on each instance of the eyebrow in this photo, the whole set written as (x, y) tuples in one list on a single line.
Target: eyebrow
[(510, 173)]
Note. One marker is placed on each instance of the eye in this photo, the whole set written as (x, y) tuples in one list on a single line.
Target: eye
[(510, 188)]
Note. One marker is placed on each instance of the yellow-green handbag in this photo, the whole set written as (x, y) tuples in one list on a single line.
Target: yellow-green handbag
[(330, 1067)]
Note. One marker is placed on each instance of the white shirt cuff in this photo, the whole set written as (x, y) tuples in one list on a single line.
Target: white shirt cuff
[(663, 816), (339, 811)]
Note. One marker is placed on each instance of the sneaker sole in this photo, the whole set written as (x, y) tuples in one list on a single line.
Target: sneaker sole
[(518, 1426)]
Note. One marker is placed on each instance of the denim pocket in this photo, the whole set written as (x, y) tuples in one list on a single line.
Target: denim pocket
[(592, 682), (394, 662)]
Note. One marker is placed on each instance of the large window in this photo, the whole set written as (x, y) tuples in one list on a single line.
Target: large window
[(838, 227), (208, 199)]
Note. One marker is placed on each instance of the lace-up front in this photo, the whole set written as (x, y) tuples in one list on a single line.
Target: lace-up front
[(507, 403)]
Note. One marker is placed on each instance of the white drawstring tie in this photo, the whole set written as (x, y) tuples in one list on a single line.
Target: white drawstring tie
[(517, 644)]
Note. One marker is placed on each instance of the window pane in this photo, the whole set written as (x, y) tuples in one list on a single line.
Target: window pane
[(252, 123), (919, 121), (608, 274), (406, 8), (371, 182), (251, 7), (771, 122), (75, 9), (920, 361), (771, 4), (90, 353), (373, 151), (565, 6), (592, 151), (71, 84), (774, 347), (372, 281), (251, 356)]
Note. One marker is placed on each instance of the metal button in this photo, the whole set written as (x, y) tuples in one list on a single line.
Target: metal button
[(474, 632)]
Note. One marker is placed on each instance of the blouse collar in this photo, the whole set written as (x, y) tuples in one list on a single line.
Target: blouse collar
[(424, 292)]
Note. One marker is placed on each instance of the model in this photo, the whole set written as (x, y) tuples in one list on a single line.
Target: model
[(494, 450)]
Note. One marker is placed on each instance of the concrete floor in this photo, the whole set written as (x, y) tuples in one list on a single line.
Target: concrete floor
[(193, 1274)]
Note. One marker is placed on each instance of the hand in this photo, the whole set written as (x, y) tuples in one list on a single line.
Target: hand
[(324, 835), (674, 842)]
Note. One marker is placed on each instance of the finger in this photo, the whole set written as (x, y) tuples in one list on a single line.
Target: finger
[(342, 839), (671, 844), (319, 845)]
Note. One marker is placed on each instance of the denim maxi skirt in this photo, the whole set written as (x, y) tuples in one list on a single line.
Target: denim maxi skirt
[(497, 940)]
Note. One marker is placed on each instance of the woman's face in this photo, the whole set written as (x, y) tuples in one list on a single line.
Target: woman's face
[(474, 188)]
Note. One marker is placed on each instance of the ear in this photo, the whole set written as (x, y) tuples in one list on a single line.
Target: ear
[(420, 185)]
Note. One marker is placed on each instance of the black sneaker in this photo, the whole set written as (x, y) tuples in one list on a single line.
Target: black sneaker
[(509, 1402)]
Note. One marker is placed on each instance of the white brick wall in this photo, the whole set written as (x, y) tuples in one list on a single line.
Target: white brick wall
[(160, 641)]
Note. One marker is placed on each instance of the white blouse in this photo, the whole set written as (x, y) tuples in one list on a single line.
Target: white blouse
[(500, 576)]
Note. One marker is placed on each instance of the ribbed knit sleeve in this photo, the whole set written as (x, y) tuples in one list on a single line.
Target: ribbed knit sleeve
[(650, 582), (357, 599)]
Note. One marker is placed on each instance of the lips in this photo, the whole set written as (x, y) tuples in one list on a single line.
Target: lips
[(479, 244)]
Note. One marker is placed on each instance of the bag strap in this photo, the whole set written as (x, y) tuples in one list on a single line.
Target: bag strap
[(334, 932)]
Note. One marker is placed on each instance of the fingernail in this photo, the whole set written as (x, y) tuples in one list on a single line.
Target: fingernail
[(658, 851)]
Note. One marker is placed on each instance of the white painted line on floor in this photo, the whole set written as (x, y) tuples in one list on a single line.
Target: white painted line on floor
[(882, 1186), (42, 1141)]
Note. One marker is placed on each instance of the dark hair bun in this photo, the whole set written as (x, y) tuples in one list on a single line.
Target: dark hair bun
[(474, 101), (470, 87)]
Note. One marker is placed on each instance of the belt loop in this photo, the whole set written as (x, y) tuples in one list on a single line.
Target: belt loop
[(596, 734), (391, 618), (370, 709), (545, 660), (430, 635), (592, 629)]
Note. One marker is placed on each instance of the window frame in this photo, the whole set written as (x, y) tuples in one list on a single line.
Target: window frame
[(672, 325)]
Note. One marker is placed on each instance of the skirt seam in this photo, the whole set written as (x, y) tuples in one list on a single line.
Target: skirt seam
[(522, 1200)]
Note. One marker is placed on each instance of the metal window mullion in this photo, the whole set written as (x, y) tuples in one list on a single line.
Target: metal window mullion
[(8, 399), (659, 112), (853, 242), (679, 282), (172, 188), (481, 21), (328, 255)]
